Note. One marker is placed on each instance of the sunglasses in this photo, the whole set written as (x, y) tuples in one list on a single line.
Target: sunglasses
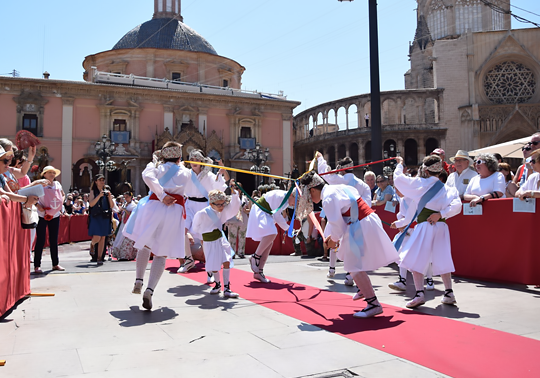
[(533, 161), (533, 143), (480, 161), (219, 204), (378, 182), (525, 148), (6, 161)]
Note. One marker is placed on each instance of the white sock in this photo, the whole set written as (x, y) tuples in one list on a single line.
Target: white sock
[(217, 278), (143, 255), (429, 273), (403, 273), (187, 247), (156, 271), (333, 258), (226, 276)]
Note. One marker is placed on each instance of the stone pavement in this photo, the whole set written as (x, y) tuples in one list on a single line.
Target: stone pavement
[(95, 327)]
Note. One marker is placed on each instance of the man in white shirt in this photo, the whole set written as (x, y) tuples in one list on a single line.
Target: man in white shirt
[(463, 174)]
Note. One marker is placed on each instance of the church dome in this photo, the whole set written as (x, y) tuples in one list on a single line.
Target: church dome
[(165, 33)]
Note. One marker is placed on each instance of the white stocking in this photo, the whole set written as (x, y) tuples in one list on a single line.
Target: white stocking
[(143, 255), (156, 271), (333, 258), (226, 276), (403, 272)]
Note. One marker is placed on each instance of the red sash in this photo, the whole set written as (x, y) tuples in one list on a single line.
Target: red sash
[(179, 200), (363, 210)]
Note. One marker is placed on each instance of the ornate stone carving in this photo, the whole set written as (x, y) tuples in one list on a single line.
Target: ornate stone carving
[(509, 83)]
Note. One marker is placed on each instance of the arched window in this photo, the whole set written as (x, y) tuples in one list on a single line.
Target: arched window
[(332, 156), (342, 152), (431, 144), (367, 153), (411, 152), (353, 153)]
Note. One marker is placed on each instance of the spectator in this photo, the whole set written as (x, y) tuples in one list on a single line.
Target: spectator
[(440, 153), (506, 171), (498, 157), (463, 174), (531, 188), (123, 247), (99, 226), (68, 205), (524, 170), (370, 180), (49, 209), (488, 184), (5, 192), (79, 207), (384, 192)]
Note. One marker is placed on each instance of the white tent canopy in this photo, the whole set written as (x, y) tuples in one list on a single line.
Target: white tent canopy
[(510, 149)]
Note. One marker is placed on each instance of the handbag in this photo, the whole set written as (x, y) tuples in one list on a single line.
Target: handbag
[(29, 217)]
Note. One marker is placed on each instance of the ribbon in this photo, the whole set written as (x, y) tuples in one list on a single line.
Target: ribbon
[(291, 226), (130, 224), (356, 238), (421, 204), (217, 224), (197, 183), (356, 166), (239, 170), (285, 200)]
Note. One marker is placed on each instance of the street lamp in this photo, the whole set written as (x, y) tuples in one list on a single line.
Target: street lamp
[(258, 156), (376, 133), (104, 150)]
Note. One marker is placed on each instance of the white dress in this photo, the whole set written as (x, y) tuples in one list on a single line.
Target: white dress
[(377, 249), (428, 243), (346, 179), (218, 251), (122, 247), (158, 226), (261, 224), (209, 182)]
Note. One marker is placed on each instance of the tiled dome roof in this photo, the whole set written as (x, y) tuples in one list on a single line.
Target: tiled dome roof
[(165, 33)]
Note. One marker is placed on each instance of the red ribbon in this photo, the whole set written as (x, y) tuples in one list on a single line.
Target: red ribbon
[(356, 166)]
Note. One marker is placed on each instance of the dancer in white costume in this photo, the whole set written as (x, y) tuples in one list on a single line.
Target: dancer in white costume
[(262, 228), (430, 242), (202, 181), (217, 250), (345, 178), (363, 243), (158, 223)]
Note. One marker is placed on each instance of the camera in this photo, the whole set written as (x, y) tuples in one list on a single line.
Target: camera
[(106, 192)]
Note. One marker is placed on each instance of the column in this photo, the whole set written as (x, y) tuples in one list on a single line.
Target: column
[(347, 117), (67, 142), (287, 145)]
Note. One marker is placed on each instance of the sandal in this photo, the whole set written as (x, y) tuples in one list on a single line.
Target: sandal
[(371, 310)]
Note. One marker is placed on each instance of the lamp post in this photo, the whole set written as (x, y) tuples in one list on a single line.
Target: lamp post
[(104, 150), (376, 133), (258, 156)]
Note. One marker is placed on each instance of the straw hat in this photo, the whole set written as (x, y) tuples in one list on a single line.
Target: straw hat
[(5, 153), (51, 168), (462, 154)]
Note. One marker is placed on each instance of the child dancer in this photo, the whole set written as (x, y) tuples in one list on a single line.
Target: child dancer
[(364, 246), (430, 242), (262, 227), (201, 181), (217, 250), (156, 223)]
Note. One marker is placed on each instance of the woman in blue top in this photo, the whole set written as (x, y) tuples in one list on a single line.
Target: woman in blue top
[(384, 192)]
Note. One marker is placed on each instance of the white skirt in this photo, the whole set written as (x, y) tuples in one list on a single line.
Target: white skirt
[(260, 224), (161, 228), (216, 253), (428, 244), (192, 207), (378, 250)]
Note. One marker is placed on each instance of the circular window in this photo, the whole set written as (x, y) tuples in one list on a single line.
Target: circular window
[(509, 83)]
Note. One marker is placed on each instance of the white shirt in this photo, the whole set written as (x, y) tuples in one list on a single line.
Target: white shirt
[(480, 186), (446, 201), (203, 223), (460, 181), (175, 185), (208, 181), (531, 183)]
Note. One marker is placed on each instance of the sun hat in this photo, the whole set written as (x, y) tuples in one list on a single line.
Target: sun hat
[(438, 151), (51, 168), (4, 152), (462, 154)]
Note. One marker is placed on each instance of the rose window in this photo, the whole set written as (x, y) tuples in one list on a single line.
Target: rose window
[(509, 83)]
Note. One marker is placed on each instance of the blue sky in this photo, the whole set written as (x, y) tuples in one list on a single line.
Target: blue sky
[(312, 50)]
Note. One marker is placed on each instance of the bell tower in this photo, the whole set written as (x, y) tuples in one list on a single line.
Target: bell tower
[(168, 9)]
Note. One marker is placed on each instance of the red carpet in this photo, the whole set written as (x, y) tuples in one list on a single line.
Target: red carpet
[(448, 346)]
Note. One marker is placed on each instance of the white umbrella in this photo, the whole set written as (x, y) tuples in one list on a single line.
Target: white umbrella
[(510, 149)]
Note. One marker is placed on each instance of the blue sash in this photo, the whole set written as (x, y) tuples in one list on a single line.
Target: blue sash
[(217, 224), (197, 183), (356, 238), (291, 226), (423, 201), (173, 170)]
